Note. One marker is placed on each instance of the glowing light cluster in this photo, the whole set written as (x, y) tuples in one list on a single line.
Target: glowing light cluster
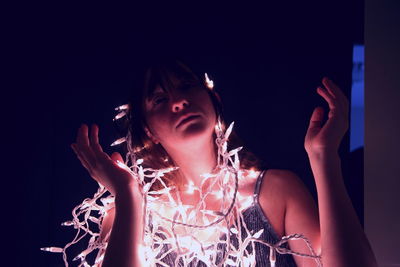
[(178, 233)]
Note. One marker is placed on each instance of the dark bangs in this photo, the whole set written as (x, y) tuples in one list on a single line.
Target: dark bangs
[(161, 75)]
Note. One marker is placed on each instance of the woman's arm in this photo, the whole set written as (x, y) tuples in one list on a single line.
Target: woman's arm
[(301, 217), (343, 241), (126, 233), (123, 238)]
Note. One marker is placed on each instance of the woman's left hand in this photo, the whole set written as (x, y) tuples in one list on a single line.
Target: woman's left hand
[(321, 138)]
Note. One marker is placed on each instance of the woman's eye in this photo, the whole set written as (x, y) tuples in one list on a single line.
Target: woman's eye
[(159, 99)]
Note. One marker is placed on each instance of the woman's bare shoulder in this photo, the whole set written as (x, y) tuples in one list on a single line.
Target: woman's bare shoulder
[(274, 191), (280, 181), (290, 186), (272, 198)]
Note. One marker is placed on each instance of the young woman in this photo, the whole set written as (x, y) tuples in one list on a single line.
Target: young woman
[(172, 120)]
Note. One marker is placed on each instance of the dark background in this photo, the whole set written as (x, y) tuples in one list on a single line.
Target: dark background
[(73, 63)]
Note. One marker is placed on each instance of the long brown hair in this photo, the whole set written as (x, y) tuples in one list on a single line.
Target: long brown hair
[(159, 73)]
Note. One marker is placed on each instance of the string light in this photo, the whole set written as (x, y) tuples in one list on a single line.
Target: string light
[(186, 233), (119, 141), (209, 83), (120, 115), (122, 107), (52, 249)]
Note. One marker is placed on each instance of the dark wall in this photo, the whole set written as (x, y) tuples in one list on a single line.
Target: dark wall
[(72, 64), (382, 129)]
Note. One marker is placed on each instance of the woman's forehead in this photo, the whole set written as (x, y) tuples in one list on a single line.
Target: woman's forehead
[(168, 83)]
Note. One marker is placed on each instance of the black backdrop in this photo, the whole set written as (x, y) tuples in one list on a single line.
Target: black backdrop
[(74, 63)]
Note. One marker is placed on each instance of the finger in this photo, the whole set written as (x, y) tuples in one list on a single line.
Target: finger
[(94, 139), (86, 153), (333, 87), (335, 91), (328, 97), (83, 161), (82, 137), (83, 146), (316, 119)]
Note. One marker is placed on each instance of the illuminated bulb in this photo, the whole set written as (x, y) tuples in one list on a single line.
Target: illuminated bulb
[(122, 107), (272, 256), (52, 249), (171, 169), (247, 261), (160, 192), (67, 223), (218, 126), (137, 149), (162, 209), (80, 256), (258, 234), (99, 259), (142, 254), (209, 83), (107, 200), (189, 243), (119, 115), (252, 173), (226, 177), (118, 141), (218, 194), (207, 175), (191, 188), (122, 165), (246, 202), (94, 219), (230, 262), (87, 204), (100, 186)]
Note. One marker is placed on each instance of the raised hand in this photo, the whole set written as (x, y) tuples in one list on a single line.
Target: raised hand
[(106, 170), (327, 137)]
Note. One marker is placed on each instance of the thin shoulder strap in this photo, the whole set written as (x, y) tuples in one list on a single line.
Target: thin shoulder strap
[(258, 184)]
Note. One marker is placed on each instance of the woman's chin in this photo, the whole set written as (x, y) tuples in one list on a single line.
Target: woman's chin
[(195, 131)]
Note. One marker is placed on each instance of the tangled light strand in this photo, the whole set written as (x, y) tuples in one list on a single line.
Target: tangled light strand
[(177, 233)]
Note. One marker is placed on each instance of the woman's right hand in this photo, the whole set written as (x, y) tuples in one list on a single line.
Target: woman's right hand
[(103, 168)]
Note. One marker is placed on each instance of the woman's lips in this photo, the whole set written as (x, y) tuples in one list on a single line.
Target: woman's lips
[(187, 119)]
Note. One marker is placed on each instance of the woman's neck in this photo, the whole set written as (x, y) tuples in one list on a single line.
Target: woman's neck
[(193, 161)]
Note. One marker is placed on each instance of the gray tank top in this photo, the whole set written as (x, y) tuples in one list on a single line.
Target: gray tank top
[(255, 220)]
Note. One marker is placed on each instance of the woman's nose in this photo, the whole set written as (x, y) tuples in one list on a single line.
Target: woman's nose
[(179, 104)]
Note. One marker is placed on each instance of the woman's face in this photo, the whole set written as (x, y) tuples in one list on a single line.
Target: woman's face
[(180, 116)]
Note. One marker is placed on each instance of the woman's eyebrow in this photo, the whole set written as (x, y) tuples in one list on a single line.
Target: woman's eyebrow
[(155, 91)]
